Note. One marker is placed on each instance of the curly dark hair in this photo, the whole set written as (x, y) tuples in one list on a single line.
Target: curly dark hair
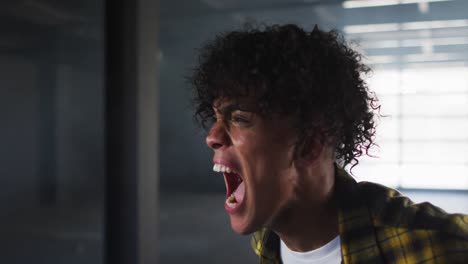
[(313, 76)]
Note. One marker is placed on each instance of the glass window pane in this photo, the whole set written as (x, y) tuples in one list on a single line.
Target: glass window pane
[(435, 80), (389, 105), (386, 174), (435, 152), (388, 128), (440, 105), (434, 176), (435, 129), (387, 151), (385, 82)]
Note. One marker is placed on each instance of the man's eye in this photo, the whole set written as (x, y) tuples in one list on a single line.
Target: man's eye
[(213, 119), (239, 119)]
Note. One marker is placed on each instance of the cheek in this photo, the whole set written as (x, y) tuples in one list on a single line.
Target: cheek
[(269, 166), (263, 154), (240, 140)]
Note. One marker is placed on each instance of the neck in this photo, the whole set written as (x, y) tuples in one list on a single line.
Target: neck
[(310, 220)]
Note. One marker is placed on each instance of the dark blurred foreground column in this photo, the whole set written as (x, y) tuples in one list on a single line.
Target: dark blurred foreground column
[(132, 131)]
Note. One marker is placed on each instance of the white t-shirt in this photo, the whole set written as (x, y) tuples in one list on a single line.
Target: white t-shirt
[(328, 254)]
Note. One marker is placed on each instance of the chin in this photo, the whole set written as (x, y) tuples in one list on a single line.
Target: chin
[(243, 227), (241, 230)]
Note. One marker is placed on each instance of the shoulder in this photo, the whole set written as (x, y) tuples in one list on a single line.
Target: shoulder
[(389, 208)]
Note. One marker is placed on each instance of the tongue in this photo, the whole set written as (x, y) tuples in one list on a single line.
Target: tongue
[(240, 192)]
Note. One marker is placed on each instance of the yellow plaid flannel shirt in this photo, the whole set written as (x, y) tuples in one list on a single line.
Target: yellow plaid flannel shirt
[(379, 225)]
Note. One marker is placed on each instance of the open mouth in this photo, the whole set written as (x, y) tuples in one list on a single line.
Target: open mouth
[(235, 187)]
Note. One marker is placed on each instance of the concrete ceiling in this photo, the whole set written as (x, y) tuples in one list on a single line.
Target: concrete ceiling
[(85, 19)]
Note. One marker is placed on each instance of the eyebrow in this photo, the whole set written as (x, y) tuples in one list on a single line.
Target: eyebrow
[(231, 108)]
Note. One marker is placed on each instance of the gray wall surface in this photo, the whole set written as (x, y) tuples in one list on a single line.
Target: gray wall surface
[(52, 136)]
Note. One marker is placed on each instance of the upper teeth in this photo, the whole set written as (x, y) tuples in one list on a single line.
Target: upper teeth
[(222, 168)]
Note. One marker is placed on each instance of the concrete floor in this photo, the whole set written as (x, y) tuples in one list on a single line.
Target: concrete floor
[(52, 235)]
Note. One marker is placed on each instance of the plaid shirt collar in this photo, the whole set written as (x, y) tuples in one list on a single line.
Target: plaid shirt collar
[(358, 240)]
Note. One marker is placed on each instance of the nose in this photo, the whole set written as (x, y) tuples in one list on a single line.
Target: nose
[(217, 136)]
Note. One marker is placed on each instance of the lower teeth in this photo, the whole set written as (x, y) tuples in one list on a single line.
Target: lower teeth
[(231, 201)]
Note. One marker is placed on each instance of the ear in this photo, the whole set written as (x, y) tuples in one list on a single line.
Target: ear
[(309, 151)]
